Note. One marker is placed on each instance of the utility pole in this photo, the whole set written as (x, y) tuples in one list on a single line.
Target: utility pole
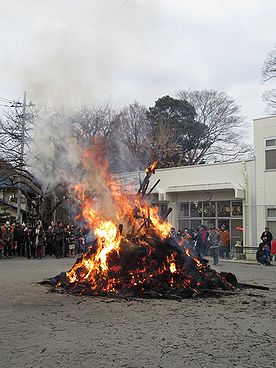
[(22, 148), (21, 116), (22, 144)]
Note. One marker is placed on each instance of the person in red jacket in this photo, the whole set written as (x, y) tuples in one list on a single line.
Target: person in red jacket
[(224, 237), (7, 237)]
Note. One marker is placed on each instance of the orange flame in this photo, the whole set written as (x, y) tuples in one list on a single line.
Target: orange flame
[(151, 168), (122, 209)]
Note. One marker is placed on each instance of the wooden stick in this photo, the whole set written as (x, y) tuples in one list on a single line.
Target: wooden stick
[(152, 188), (252, 286)]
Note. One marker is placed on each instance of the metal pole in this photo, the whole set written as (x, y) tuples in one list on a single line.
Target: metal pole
[(23, 117)]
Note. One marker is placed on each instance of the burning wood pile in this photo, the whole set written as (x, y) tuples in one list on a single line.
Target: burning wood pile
[(133, 253)]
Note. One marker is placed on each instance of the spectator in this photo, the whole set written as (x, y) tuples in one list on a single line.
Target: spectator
[(1, 247), (262, 255), (214, 240), (173, 232), (82, 243), (202, 241), (59, 237), (28, 241), (224, 242), (66, 240), (194, 238), (7, 237), (186, 239), (18, 238), (39, 240), (179, 238), (267, 237), (49, 240), (71, 242)]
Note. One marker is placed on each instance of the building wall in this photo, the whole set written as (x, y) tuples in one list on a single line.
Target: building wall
[(9, 196), (265, 179), (230, 181), (247, 181)]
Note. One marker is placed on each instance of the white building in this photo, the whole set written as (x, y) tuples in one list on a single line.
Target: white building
[(238, 194)]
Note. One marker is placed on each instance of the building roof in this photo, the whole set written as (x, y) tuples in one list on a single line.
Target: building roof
[(7, 184), (2, 202)]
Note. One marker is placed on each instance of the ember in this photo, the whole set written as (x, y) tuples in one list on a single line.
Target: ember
[(133, 253)]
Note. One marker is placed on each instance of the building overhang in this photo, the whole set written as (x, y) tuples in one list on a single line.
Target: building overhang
[(238, 189)]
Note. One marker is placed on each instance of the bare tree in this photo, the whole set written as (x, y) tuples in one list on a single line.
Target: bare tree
[(165, 147), (134, 130), (11, 166), (269, 73), (224, 138), (269, 67), (93, 120), (99, 122)]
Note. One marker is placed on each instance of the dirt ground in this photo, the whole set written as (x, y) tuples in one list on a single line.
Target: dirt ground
[(40, 329)]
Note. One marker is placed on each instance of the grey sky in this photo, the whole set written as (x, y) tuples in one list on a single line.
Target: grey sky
[(73, 52)]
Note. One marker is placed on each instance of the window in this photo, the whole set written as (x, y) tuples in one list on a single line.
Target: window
[(270, 142), (209, 209), (236, 208), (183, 224), (196, 209), (195, 224), (270, 154), (162, 208), (271, 212), (225, 222), (184, 209), (209, 222), (272, 227), (236, 231), (224, 209)]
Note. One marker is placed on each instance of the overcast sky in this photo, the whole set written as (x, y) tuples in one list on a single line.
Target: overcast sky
[(76, 51)]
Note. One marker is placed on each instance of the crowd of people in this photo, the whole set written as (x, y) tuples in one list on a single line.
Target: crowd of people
[(214, 242), (65, 240), (59, 240)]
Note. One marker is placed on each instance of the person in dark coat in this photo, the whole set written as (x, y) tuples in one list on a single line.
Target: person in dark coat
[(18, 238), (28, 239), (267, 237), (202, 241), (66, 240), (59, 237), (262, 255)]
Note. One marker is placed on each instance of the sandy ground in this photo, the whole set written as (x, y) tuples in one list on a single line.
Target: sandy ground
[(40, 329)]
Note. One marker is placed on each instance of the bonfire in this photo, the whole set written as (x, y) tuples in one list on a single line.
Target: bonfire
[(132, 253)]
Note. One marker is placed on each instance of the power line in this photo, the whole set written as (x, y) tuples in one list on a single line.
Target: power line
[(7, 100)]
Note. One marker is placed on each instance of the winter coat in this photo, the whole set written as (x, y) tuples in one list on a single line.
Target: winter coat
[(224, 237)]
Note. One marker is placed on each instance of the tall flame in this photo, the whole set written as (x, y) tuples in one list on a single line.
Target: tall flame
[(125, 210)]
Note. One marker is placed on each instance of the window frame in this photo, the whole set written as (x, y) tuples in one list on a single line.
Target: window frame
[(269, 148), (272, 218)]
